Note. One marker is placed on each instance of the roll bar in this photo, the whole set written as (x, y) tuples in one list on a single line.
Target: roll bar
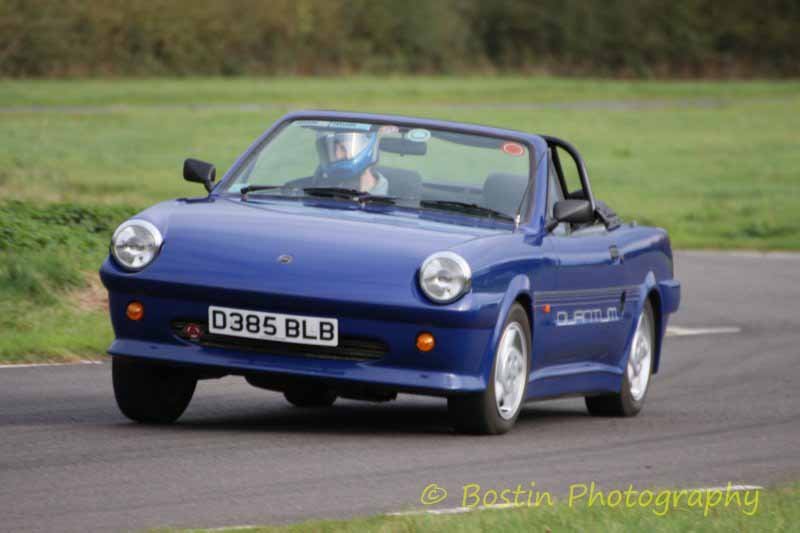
[(576, 156)]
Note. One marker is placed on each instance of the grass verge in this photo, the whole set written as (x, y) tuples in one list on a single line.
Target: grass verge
[(371, 90), (51, 304), (778, 510)]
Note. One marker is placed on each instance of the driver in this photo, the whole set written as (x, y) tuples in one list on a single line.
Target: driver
[(348, 159)]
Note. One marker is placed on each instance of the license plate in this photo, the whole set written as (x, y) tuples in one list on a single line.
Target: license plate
[(273, 326)]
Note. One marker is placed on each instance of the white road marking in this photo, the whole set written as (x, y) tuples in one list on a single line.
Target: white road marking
[(459, 510), (679, 331), (229, 528), (454, 510), (35, 365), (731, 487)]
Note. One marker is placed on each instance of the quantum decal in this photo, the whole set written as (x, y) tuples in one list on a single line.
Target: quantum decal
[(581, 317)]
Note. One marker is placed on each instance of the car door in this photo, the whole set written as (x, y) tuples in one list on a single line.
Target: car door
[(585, 309)]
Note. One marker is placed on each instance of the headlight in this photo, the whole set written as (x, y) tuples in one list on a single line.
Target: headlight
[(444, 277), (135, 244)]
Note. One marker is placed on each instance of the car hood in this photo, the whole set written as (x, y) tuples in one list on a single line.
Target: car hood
[(291, 246)]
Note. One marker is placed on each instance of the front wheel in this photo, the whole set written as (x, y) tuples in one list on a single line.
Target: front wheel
[(636, 381), (149, 393), (496, 409)]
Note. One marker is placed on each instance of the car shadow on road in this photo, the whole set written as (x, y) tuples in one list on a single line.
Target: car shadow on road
[(353, 418)]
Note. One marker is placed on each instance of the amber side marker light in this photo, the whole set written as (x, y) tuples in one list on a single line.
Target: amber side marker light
[(135, 311), (425, 342)]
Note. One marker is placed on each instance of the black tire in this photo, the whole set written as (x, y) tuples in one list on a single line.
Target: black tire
[(150, 393), (478, 413), (623, 403), (310, 396)]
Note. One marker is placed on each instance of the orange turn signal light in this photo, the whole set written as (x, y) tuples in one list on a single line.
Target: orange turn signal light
[(425, 342), (135, 310)]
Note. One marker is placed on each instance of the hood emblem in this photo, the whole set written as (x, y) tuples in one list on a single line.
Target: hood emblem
[(285, 259)]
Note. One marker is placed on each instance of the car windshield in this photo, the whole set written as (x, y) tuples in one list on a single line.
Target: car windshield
[(423, 168)]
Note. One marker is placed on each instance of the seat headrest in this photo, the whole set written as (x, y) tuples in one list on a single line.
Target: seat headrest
[(402, 183), (503, 192)]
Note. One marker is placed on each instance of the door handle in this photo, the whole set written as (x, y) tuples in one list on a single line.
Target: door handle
[(616, 256)]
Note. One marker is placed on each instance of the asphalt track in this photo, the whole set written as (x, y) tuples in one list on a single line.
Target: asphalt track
[(724, 408)]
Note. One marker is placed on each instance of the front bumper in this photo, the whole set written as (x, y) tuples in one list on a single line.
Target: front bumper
[(376, 375), (463, 335)]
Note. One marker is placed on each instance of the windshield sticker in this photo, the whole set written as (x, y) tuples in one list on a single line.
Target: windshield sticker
[(313, 123), (513, 149), (418, 135), (350, 126), (388, 129), (325, 124)]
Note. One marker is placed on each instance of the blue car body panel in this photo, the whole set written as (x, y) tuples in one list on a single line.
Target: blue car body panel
[(359, 264)]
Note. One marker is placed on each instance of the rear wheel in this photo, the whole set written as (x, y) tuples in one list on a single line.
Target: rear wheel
[(636, 381), (149, 393), (310, 396), (496, 409)]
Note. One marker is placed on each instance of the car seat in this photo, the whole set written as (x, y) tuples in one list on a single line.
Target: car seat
[(402, 183), (503, 192)]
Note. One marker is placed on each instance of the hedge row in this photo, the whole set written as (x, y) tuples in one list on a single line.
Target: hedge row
[(683, 38)]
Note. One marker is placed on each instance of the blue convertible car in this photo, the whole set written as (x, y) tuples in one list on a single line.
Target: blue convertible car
[(358, 256)]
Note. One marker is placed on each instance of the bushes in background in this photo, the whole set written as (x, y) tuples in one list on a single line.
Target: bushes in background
[(234, 37)]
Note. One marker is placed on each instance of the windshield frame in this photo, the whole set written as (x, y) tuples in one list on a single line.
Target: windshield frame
[(536, 153)]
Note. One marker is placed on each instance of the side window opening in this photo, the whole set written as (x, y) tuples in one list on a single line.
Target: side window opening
[(554, 194), (570, 177)]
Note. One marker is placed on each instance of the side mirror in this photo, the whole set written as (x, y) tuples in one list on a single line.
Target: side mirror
[(200, 172), (573, 212)]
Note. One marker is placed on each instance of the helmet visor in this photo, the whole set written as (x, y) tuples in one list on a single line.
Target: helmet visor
[(341, 146)]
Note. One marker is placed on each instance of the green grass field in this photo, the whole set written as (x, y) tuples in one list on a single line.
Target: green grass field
[(778, 510), (716, 163)]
